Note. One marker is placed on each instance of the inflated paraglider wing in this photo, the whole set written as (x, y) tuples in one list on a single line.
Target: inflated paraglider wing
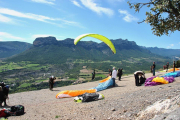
[(97, 36)]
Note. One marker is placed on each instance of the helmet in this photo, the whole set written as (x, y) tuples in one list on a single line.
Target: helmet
[(7, 86)]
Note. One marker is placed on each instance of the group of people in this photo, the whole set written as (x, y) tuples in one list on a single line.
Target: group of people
[(167, 67), (115, 73), (4, 91), (139, 75)]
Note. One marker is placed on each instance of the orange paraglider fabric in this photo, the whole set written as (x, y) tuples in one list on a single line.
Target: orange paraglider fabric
[(104, 80), (170, 70), (73, 93)]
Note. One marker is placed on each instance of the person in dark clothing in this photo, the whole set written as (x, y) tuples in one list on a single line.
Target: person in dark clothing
[(3, 93), (1, 96), (153, 68), (6, 92), (167, 66), (110, 72), (51, 82), (119, 74), (136, 79), (93, 74), (174, 66), (141, 80)]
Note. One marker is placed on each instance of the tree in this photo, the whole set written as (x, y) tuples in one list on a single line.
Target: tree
[(164, 15)]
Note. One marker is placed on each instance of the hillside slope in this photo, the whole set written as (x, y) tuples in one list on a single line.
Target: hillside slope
[(122, 102), (50, 50), (8, 49), (164, 52)]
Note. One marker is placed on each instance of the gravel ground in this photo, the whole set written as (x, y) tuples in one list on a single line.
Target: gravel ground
[(125, 102)]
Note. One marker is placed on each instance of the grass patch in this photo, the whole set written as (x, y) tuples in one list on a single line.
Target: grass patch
[(24, 85)]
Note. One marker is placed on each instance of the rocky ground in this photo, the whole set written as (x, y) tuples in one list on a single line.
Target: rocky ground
[(125, 102)]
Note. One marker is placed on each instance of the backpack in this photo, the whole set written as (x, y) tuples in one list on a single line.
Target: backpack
[(87, 97), (18, 110)]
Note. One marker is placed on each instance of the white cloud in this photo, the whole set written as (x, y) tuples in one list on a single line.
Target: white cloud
[(51, 2), (46, 19), (170, 46), (24, 15), (76, 3), (94, 7), (128, 17), (5, 19), (7, 36)]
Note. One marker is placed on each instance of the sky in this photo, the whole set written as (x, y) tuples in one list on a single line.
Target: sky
[(25, 20)]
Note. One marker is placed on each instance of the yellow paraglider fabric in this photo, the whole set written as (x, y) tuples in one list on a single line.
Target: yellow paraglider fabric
[(97, 36), (73, 93), (160, 80), (104, 80)]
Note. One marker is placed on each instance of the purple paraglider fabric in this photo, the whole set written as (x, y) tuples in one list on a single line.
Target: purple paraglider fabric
[(149, 82), (169, 79)]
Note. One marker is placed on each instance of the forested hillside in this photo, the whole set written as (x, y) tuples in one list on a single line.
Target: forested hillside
[(8, 49)]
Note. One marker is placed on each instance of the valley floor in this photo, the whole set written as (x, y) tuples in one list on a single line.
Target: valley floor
[(122, 102)]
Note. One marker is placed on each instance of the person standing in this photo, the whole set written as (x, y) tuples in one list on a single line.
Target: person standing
[(93, 74), (51, 82), (153, 68), (114, 75), (167, 66), (119, 74), (1, 96), (6, 92), (174, 66), (110, 72)]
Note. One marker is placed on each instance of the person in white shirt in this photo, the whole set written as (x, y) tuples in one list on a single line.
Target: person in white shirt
[(114, 75)]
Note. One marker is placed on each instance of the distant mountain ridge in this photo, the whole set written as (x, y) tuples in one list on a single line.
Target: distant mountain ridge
[(164, 52), (51, 50), (8, 49), (47, 47)]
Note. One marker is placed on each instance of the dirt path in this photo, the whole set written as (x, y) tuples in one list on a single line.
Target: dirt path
[(122, 102)]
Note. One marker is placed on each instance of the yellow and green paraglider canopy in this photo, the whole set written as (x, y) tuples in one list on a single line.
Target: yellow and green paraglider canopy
[(97, 36)]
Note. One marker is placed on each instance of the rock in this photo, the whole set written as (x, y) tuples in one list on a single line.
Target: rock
[(41, 41)]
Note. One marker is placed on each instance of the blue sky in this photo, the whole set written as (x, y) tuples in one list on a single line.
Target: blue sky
[(25, 20)]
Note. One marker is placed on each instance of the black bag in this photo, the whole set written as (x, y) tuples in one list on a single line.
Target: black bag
[(18, 110), (87, 97)]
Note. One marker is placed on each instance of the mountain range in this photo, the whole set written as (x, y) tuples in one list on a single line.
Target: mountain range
[(89, 49), (8, 49), (52, 51)]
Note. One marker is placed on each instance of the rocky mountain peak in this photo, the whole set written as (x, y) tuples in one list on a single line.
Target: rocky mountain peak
[(40, 41)]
